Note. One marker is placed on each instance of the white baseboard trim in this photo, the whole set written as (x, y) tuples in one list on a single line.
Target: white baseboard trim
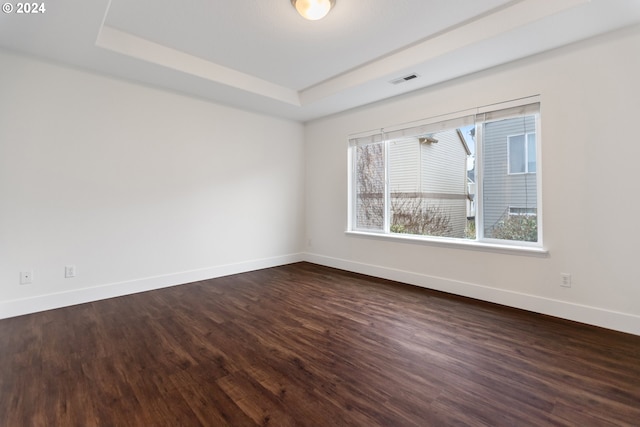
[(622, 322), (19, 307)]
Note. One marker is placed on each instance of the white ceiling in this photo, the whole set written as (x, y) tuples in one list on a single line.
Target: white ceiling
[(262, 56)]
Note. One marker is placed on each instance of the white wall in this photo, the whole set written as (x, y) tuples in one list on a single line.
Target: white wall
[(590, 94), (141, 188), (137, 187)]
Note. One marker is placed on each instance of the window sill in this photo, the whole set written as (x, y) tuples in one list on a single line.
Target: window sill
[(456, 244)]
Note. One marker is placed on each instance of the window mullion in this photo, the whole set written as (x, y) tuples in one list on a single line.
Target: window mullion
[(479, 164), (353, 188), (537, 141), (387, 193)]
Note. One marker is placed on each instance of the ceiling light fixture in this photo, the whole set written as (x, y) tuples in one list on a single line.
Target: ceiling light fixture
[(313, 9)]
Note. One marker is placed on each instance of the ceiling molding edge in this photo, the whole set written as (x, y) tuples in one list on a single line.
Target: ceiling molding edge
[(486, 27), (145, 50)]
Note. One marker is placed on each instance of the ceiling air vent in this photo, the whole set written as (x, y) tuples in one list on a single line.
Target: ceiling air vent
[(404, 79)]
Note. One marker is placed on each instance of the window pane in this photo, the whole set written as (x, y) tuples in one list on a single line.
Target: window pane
[(516, 154), (503, 186), (369, 175), (531, 153), (428, 184)]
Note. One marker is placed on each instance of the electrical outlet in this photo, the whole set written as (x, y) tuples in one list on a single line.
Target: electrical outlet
[(70, 271), (565, 280), (26, 277)]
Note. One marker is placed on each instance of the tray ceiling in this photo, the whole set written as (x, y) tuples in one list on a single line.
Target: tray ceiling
[(262, 56)]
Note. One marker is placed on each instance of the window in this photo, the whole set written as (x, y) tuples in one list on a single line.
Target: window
[(522, 153), (521, 211), (462, 177)]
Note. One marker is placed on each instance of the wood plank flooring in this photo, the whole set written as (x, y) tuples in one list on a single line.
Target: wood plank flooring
[(305, 345)]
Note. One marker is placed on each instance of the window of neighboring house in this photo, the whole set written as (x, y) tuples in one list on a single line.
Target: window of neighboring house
[(521, 211), (522, 153), (451, 177)]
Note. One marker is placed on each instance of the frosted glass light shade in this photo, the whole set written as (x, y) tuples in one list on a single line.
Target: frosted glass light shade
[(313, 9)]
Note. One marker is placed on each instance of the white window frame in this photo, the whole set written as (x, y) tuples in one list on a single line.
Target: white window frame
[(481, 242)]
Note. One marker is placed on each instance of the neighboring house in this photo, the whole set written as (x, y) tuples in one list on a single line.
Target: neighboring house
[(430, 172), (471, 198), (509, 152)]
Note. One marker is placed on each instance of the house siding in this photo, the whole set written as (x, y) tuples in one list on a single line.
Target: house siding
[(444, 164), (501, 190), (434, 173), (404, 166)]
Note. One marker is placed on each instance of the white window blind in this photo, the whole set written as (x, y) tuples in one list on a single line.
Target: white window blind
[(507, 112)]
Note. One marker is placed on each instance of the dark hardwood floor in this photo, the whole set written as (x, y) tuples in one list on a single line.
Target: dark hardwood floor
[(304, 345)]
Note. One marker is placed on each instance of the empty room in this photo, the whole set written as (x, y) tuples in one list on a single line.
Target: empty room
[(319, 213)]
